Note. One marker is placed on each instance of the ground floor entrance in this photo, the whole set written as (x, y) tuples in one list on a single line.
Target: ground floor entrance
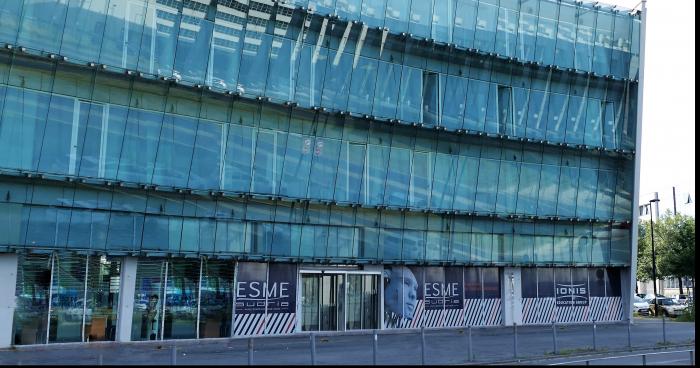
[(339, 301)]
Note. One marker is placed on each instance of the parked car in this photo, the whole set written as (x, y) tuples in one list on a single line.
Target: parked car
[(640, 306), (682, 299), (650, 297), (668, 307)]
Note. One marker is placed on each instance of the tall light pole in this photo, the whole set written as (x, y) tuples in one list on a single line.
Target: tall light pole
[(653, 256)]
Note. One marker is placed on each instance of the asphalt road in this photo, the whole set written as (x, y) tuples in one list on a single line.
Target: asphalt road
[(490, 345)]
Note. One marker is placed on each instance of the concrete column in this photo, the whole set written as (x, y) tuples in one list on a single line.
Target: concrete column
[(127, 284), (8, 275), (511, 296)]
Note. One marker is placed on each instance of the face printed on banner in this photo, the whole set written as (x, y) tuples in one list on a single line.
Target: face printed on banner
[(401, 293)]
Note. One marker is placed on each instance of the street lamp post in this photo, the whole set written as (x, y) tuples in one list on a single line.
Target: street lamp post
[(653, 256)]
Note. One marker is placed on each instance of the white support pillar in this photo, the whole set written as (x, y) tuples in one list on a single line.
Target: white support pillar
[(8, 275), (127, 284), (637, 165), (511, 295)]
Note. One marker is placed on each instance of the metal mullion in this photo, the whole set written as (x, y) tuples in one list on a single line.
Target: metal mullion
[(48, 314), (199, 294), (165, 293), (233, 299), (85, 286)]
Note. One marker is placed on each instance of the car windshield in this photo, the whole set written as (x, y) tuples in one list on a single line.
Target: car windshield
[(667, 302), (638, 299)]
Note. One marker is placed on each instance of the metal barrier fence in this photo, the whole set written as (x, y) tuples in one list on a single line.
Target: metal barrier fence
[(586, 334), (643, 356)]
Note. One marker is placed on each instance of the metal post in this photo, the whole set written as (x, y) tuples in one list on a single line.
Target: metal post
[(595, 346), (554, 337), (422, 345), (588, 362), (663, 326), (629, 334), (644, 359), (173, 355), (100, 359), (469, 346), (515, 340), (313, 348), (375, 348), (692, 357), (250, 351), (653, 255)]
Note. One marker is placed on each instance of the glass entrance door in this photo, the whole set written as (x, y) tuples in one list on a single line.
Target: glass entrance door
[(339, 301)]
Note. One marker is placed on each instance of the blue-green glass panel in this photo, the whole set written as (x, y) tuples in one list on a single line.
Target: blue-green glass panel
[(397, 12), (537, 115), (336, 86), (364, 75), (582, 244), (390, 239), (521, 98), (620, 245), (140, 145), (506, 36), (254, 63), (348, 9), (398, 178), (465, 185), (312, 70), (372, 12), (602, 49), (42, 23), (85, 25), (594, 119), (207, 156), (486, 22), (549, 186), (566, 36), (377, 163), (600, 250), (225, 50), (238, 167), (421, 179), (443, 181), (585, 36), (122, 39), (576, 121), (421, 18), (546, 33), (506, 198), (10, 16), (324, 167), (586, 193), (269, 146), (605, 194), (410, 95), (175, 148), (477, 100), (282, 72), (193, 49), (454, 102), (556, 119), (465, 23), (488, 180), (351, 168), (527, 29), (58, 150), (22, 128), (297, 164), (386, 90), (442, 20)]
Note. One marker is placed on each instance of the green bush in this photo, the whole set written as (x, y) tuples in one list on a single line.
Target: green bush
[(688, 314)]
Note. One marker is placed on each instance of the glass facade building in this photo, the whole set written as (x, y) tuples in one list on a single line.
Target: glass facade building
[(196, 168)]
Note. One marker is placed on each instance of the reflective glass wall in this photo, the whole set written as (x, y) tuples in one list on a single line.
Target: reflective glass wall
[(66, 297), (259, 49), (84, 216)]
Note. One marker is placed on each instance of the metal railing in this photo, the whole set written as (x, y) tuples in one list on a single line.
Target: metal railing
[(643, 356)]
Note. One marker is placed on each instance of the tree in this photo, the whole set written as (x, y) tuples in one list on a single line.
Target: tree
[(676, 250), (644, 252)]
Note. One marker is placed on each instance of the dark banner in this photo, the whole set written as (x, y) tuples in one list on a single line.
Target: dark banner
[(434, 288), (253, 289), (453, 288), (569, 292)]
